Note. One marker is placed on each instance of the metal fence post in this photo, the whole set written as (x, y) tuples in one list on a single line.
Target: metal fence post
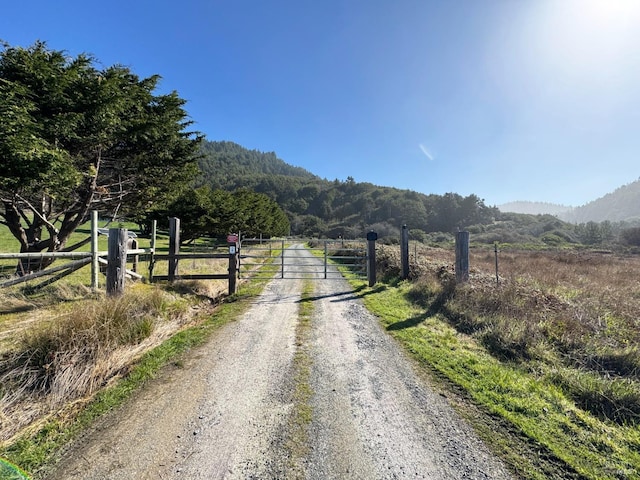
[(325, 259), (95, 266), (282, 260)]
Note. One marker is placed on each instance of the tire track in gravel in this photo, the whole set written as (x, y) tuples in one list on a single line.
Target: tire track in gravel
[(227, 413), (223, 415), (374, 418)]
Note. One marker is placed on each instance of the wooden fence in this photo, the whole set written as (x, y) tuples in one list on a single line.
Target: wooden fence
[(79, 259), (121, 247), (462, 255), (174, 256)]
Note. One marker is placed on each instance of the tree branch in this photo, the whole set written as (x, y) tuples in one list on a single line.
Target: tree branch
[(36, 213)]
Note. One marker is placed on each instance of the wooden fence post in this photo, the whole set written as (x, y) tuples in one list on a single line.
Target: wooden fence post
[(174, 247), (117, 261), (95, 265), (404, 252), (233, 267), (462, 257), (371, 257)]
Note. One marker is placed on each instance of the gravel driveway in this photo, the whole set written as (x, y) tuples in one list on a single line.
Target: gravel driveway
[(226, 412)]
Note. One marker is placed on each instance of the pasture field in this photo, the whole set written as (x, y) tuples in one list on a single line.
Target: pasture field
[(8, 244)]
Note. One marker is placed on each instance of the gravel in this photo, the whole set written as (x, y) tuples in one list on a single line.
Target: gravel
[(226, 412)]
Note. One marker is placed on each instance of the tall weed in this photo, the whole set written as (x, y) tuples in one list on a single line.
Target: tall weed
[(75, 354), (576, 312)]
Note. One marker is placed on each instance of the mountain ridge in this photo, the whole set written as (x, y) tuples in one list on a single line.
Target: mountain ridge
[(227, 165), (621, 205), (345, 208)]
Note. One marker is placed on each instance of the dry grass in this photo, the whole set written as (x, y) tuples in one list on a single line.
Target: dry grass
[(573, 318), (70, 353)]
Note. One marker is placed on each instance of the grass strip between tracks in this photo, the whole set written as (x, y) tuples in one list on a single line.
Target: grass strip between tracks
[(298, 441), (34, 451), (528, 421)]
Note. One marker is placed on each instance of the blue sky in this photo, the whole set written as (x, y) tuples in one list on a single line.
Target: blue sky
[(508, 99)]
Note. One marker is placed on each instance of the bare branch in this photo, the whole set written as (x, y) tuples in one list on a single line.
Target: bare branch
[(46, 222)]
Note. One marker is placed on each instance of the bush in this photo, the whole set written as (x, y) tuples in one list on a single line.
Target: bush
[(552, 239)]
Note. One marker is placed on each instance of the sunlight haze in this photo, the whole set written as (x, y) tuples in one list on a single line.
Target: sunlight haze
[(510, 100)]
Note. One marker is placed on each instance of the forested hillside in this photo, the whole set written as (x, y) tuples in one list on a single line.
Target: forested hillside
[(534, 208), (623, 204), (320, 207), (226, 165)]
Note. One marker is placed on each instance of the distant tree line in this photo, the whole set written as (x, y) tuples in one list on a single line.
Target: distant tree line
[(319, 207), (548, 230), (204, 212)]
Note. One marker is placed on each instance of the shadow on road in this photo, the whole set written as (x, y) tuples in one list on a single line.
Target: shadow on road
[(352, 294)]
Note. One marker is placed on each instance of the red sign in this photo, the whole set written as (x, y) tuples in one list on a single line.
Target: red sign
[(233, 238)]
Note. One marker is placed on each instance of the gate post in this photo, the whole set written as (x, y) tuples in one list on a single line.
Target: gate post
[(404, 252), (371, 257), (117, 261), (233, 268), (174, 247), (233, 241), (282, 260), (462, 257), (325, 259)]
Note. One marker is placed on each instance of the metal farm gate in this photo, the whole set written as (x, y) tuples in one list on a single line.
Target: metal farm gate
[(292, 259)]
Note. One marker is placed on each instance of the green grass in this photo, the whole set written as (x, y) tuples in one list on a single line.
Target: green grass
[(8, 244), (34, 451), (544, 434), (298, 441)]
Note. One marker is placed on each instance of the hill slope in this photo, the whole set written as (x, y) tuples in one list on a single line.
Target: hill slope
[(347, 208), (623, 204), (534, 208), (227, 164)]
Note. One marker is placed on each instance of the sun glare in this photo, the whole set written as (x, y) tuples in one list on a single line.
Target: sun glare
[(574, 47)]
